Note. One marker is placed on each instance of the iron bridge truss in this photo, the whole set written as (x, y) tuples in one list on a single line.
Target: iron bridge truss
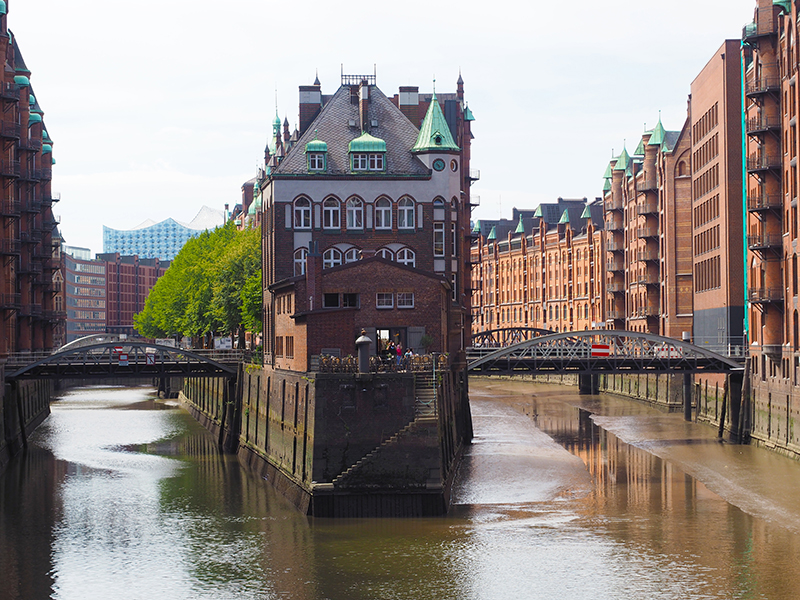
[(123, 359), (499, 338), (595, 352)]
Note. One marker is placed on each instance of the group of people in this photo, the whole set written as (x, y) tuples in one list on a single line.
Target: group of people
[(395, 352)]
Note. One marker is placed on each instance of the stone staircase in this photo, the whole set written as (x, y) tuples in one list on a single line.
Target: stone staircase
[(425, 395)]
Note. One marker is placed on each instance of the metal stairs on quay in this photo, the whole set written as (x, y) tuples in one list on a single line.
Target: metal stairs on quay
[(426, 415)]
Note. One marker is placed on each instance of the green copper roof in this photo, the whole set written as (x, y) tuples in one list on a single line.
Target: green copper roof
[(31, 99), (477, 227), (622, 161), (640, 148), (520, 227), (251, 210), (46, 148), (608, 174), (367, 143), (316, 146), (468, 114), (3, 9), (564, 217), (34, 118), (538, 212), (786, 5), (434, 134), (492, 234), (657, 138), (587, 213), (607, 185), (21, 80), (46, 136)]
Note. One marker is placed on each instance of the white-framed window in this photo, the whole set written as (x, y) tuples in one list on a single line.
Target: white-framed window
[(376, 162), (331, 214), (349, 300), (405, 299), (453, 240), (359, 162), (352, 255), (406, 256), (300, 260), (355, 214), (332, 257), (384, 300), (385, 253), (316, 161), (405, 214), (383, 214), (438, 239), (302, 213)]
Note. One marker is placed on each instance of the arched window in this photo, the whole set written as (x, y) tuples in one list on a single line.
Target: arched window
[(355, 214), (406, 256), (302, 213), (385, 253), (332, 257), (405, 214), (383, 214), (352, 255), (300, 259), (331, 214)]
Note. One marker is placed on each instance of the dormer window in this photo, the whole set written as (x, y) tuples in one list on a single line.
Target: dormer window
[(367, 153), (316, 152)]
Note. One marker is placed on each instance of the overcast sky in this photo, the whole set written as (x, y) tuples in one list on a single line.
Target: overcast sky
[(158, 109)]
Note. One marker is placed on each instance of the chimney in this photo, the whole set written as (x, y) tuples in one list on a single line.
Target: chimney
[(310, 104), (408, 102), (363, 104)]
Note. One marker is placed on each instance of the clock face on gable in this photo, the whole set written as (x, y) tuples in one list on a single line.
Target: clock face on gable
[(438, 164)]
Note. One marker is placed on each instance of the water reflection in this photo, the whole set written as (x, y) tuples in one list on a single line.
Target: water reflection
[(124, 497)]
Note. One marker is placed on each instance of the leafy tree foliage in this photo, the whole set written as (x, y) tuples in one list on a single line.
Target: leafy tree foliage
[(212, 286)]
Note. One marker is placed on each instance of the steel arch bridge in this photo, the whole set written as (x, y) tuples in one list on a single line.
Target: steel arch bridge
[(496, 338), (599, 351), (123, 359)]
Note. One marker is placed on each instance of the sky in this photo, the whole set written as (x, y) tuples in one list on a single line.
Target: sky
[(155, 112)]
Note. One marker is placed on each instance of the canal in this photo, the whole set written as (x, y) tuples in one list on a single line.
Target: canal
[(122, 496)]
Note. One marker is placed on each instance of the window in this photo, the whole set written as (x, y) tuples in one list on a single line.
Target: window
[(454, 244), (405, 214), (359, 162), (376, 162), (406, 256), (300, 258), (330, 300), (350, 300), (352, 255), (279, 346), (289, 346), (438, 239), (355, 214), (302, 213), (454, 283), (331, 214), (383, 214), (385, 253), (384, 300), (332, 257), (405, 299), (316, 161)]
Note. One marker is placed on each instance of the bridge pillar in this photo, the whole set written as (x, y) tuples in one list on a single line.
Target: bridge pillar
[(233, 412), (736, 396), (588, 384), (687, 396)]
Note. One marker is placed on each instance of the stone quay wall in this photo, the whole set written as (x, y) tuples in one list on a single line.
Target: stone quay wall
[(23, 406)]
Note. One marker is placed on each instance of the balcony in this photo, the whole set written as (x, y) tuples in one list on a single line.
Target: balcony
[(648, 279), (613, 204), (10, 208), (647, 232), (615, 246), (10, 301), (9, 168), (763, 163), (765, 295), (614, 225), (765, 241), (54, 315), (32, 145), (9, 130), (474, 174), (32, 206), (9, 92), (763, 28), (648, 255), (10, 247), (56, 197), (647, 186), (615, 265), (615, 287), (762, 124), (762, 85), (761, 201), (647, 208), (646, 311), (615, 315)]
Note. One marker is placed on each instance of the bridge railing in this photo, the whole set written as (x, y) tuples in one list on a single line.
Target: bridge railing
[(419, 363)]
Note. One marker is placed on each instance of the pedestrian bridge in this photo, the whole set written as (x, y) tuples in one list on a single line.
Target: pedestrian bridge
[(126, 359), (592, 352)]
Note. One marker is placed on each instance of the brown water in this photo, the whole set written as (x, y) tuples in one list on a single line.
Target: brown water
[(123, 497)]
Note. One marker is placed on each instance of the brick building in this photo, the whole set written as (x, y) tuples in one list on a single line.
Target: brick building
[(367, 176), (27, 261), (550, 278), (84, 295), (647, 201)]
